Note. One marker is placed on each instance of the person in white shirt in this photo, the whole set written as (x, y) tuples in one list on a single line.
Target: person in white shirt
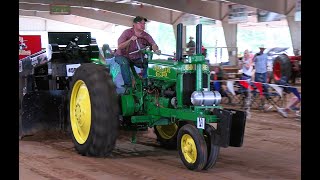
[(247, 66)]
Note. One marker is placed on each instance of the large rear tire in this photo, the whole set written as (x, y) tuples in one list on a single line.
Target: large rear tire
[(93, 111), (192, 147), (281, 68)]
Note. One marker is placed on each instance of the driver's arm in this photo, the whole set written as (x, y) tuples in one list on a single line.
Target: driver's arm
[(125, 39), (126, 43), (155, 47)]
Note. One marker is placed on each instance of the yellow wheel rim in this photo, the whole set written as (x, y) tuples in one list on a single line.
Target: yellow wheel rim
[(188, 148), (80, 112), (167, 131)]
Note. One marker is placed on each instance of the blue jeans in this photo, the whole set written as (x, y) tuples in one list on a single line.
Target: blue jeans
[(125, 68), (262, 77)]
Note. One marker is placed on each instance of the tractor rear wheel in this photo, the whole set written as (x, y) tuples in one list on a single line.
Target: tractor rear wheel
[(213, 150), (93, 111), (167, 135), (192, 147), (281, 68)]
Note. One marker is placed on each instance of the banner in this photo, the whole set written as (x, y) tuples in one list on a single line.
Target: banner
[(237, 13), (29, 44), (267, 16), (297, 15), (277, 88), (230, 87)]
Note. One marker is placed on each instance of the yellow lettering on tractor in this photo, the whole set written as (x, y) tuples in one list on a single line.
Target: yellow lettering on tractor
[(189, 67), (161, 72), (205, 67)]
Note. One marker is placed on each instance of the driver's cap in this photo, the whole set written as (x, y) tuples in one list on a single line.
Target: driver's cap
[(139, 19)]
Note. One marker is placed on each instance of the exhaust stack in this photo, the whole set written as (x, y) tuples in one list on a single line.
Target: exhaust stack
[(179, 42), (198, 38)]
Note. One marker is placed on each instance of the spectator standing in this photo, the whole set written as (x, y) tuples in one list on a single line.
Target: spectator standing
[(191, 45), (261, 59), (246, 66)]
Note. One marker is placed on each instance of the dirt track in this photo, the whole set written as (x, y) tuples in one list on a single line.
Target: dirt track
[(271, 150)]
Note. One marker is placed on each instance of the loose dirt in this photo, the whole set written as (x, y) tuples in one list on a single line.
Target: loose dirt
[(271, 150)]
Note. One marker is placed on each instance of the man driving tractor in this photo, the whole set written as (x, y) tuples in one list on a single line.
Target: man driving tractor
[(132, 40)]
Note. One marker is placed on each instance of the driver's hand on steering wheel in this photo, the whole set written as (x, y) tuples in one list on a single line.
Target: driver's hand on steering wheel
[(133, 38), (158, 52)]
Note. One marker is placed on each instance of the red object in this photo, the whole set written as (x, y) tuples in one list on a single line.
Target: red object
[(29, 44), (203, 49), (215, 77), (259, 87), (295, 58), (246, 85)]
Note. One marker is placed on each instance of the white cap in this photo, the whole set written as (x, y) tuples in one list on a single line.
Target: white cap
[(262, 46)]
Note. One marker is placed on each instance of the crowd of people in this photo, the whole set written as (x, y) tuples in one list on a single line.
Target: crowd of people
[(257, 67)]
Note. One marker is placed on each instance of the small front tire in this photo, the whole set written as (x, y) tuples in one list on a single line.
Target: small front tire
[(192, 147), (213, 149)]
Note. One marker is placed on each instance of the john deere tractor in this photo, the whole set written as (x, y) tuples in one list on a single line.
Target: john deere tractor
[(175, 100)]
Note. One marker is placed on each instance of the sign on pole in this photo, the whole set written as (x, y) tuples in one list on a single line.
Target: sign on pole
[(60, 9), (266, 16), (29, 44), (237, 13)]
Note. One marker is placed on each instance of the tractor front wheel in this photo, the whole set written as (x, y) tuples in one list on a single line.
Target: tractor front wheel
[(213, 150), (93, 111), (167, 135), (192, 147)]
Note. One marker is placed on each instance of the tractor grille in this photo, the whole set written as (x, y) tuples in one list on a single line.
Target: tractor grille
[(189, 86)]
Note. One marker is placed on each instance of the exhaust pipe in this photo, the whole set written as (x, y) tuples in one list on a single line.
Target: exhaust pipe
[(198, 39), (179, 42)]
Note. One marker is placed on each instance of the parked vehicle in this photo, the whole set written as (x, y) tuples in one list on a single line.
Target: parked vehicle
[(282, 65)]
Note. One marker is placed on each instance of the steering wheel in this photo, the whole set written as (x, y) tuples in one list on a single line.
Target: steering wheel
[(138, 45), (140, 49)]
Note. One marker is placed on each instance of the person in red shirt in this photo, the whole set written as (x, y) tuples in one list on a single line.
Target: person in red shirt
[(131, 40)]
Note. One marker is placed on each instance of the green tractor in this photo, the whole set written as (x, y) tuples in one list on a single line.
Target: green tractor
[(175, 100)]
